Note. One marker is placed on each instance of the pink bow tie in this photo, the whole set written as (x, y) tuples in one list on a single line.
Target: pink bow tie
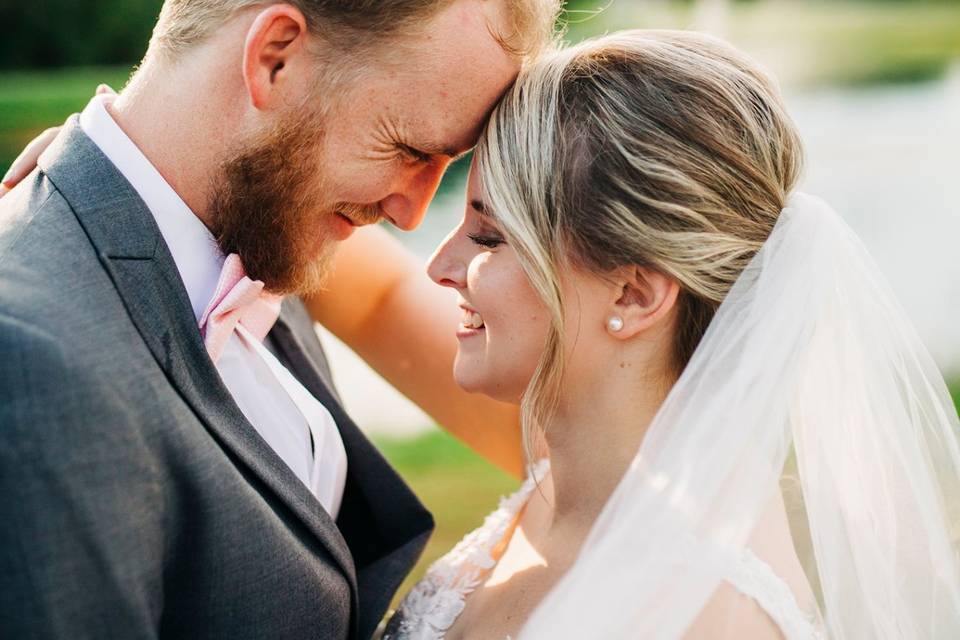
[(238, 299)]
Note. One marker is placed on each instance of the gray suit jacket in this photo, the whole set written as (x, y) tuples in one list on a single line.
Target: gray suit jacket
[(136, 501)]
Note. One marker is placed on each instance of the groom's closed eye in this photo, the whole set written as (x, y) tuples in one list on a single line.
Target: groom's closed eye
[(417, 155), (427, 151)]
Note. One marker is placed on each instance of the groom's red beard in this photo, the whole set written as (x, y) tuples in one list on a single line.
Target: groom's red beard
[(267, 207)]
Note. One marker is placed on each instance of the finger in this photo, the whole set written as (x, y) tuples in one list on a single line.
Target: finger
[(27, 159), (105, 88)]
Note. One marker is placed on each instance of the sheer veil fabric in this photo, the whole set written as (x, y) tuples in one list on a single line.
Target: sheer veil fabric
[(810, 354)]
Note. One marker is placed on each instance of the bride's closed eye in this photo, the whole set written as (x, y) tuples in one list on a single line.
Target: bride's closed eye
[(490, 241), (487, 235)]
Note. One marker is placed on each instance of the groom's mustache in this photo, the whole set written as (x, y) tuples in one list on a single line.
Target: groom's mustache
[(359, 214)]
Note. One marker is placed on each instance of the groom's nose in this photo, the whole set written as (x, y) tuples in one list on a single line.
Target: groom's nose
[(407, 205)]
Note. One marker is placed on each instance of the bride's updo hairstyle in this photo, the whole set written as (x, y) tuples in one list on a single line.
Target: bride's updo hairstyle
[(663, 149)]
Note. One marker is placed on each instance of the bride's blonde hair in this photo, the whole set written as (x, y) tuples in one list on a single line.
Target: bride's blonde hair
[(664, 149)]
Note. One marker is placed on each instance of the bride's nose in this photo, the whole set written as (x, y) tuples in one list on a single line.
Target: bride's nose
[(446, 266)]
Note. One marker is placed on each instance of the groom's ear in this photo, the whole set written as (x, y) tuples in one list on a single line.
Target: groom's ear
[(644, 297), (275, 44)]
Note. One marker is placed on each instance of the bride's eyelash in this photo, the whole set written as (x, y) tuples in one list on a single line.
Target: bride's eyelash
[(490, 242)]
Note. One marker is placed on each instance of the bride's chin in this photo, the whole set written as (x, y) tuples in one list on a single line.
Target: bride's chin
[(472, 379), (467, 380)]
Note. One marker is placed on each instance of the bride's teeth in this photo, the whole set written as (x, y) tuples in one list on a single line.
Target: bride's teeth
[(472, 320)]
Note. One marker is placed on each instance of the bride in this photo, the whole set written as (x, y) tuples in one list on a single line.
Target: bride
[(733, 431)]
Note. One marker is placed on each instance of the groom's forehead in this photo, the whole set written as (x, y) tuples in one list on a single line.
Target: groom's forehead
[(445, 116), (455, 72), (435, 129)]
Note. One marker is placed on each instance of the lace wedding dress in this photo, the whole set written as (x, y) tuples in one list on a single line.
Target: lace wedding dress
[(434, 604)]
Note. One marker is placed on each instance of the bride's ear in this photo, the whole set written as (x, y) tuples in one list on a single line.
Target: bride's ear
[(642, 298)]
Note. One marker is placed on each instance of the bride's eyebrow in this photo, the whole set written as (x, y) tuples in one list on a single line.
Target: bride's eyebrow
[(480, 207)]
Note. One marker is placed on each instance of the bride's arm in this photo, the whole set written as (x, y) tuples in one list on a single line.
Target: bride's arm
[(381, 303)]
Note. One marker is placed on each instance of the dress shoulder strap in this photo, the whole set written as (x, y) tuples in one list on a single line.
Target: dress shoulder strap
[(754, 578)]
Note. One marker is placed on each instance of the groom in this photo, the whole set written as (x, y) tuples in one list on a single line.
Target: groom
[(174, 460)]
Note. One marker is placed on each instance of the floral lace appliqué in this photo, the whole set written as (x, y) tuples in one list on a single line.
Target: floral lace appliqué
[(435, 602)]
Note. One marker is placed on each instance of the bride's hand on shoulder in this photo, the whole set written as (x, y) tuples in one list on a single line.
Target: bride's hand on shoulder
[(27, 160), (381, 303)]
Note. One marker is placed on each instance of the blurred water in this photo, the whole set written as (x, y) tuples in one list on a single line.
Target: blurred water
[(888, 159)]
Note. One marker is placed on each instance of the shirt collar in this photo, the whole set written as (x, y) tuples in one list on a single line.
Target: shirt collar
[(191, 244)]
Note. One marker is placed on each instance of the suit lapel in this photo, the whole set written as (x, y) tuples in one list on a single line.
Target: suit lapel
[(393, 505), (131, 249), (383, 522)]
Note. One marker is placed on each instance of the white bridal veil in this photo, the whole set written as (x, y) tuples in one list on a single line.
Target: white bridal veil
[(811, 353)]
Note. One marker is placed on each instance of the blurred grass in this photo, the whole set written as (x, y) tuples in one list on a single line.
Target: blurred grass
[(31, 101), (458, 487)]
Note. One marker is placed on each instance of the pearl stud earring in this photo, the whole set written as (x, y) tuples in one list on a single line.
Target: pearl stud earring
[(615, 323)]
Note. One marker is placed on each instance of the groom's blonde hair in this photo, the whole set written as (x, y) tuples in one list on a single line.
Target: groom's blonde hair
[(351, 25), (667, 150)]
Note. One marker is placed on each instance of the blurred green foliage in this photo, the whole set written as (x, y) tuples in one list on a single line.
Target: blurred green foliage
[(57, 33), (31, 101)]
